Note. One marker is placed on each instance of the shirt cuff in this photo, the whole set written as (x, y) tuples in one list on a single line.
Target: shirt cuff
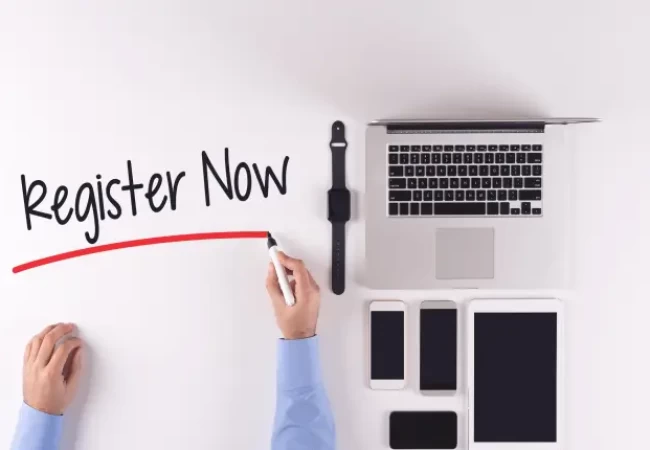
[(40, 429), (298, 363)]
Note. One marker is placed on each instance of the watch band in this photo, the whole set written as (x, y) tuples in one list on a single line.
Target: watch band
[(338, 145), (338, 257)]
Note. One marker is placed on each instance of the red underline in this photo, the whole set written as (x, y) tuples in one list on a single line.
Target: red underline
[(139, 243)]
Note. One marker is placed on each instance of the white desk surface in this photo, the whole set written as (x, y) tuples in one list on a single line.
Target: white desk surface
[(181, 336)]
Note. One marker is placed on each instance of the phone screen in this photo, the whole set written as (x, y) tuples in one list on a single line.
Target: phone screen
[(438, 349), (423, 429), (387, 345)]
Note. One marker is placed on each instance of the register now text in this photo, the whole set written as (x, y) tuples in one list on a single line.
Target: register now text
[(102, 200)]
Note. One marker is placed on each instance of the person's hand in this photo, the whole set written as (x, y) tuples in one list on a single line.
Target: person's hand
[(51, 376), (297, 321)]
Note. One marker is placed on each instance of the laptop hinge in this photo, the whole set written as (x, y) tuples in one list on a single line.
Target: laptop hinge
[(464, 127)]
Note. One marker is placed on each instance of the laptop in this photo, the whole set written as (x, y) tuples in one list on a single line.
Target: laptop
[(469, 203)]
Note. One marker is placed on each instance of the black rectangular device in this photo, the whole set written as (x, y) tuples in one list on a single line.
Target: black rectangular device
[(423, 430), (438, 347), (387, 345), (515, 377)]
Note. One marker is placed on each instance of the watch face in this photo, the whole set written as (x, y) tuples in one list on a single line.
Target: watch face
[(339, 205)]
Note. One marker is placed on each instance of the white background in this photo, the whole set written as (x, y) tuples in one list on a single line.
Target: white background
[(181, 337)]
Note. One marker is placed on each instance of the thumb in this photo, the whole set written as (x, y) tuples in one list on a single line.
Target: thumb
[(76, 368)]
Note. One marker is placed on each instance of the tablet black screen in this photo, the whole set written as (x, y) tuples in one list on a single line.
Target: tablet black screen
[(515, 377)]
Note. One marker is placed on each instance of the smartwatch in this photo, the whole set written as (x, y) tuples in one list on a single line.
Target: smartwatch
[(338, 203)]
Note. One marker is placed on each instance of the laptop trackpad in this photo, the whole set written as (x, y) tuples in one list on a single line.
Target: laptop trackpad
[(463, 253)]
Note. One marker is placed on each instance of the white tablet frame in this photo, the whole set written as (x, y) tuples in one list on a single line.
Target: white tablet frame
[(506, 306), (387, 305)]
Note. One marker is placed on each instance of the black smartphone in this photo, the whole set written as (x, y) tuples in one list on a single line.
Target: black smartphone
[(438, 347), (423, 430)]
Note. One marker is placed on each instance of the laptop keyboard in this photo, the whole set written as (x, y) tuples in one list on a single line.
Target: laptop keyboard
[(465, 180)]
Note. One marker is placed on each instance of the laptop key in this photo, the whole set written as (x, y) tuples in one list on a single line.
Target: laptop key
[(397, 183), (515, 171), (473, 171), (531, 195), (467, 158), (525, 148), (511, 158), (489, 158), (422, 183), (399, 196), (476, 183), (493, 208), (494, 171), (425, 158), (462, 171), (504, 208), (437, 195), (512, 195), (464, 183), (426, 148), (521, 158), (460, 148), (482, 148), (500, 158), (515, 211), (451, 171), (458, 158), (470, 196), (525, 208), (393, 209), (460, 196), (492, 148), (442, 209), (537, 171), (496, 183), (444, 183), (433, 183), (403, 209), (454, 183), (396, 171), (514, 148), (534, 158), (449, 148), (492, 195), (484, 171), (393, 159), (486, 183), (526, 171), (428, 195), (393, 148), (415, 158), (507, 183), (431, 171), (449, 195), (415, 209), (415, 148), (412, 183), (537, 148), (502, 194), (441, 171), (437, 148), (417, 196), (471, 148), (480, 195), (419, 171), (504, 148), (426, 209), (537, 211), (505, 171), (519, 182), (435, 158), (478, 158), (409, 171), (446, 159), (533, 182), (403, 158)]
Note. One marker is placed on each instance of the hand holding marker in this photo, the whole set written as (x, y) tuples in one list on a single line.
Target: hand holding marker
[(280, 271)]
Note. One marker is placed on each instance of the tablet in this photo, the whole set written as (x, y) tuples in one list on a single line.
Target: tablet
[(515, 374)]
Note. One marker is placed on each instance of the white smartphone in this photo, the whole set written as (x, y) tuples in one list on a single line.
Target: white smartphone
[(515, 374), (438, 347), (387, 344)]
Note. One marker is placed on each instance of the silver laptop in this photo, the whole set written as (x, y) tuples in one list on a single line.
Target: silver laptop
[(469, 204)]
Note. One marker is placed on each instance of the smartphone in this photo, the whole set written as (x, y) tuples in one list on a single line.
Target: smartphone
[(387, 344), (438, 347), (423, 429)]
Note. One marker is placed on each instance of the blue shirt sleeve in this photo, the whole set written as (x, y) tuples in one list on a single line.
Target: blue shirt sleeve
[(37, 430), (303, 417)]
